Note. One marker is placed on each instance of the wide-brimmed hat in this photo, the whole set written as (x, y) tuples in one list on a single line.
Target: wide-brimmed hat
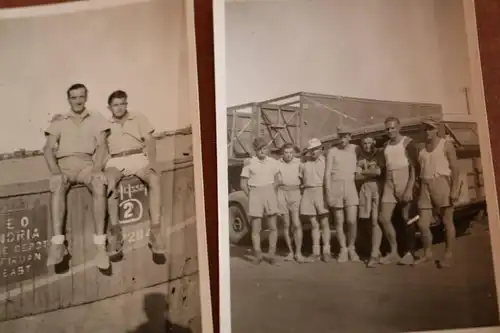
[(341, 130), (258, 143), (431, 122), (313, 144)]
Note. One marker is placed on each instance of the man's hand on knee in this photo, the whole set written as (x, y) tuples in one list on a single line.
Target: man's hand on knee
[(57, 182)]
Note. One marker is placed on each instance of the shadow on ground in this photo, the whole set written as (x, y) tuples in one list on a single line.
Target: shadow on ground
[(156, 309)]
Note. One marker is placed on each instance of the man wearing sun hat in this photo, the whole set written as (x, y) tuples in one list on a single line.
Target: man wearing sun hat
[(439, 190), (258, 181), (313, 204), (341, 192)]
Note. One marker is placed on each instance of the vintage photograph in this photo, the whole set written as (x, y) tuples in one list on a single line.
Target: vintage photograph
[(100, 225), (356, 195)]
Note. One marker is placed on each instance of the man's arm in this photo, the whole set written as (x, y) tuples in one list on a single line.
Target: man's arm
[(411, 154), (49, 152), (150, 143), (101, 152), (245, 173), (328, 168), (451, 155)]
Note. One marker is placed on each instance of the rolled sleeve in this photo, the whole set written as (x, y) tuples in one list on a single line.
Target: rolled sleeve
[(245, 172), (54, 129), (145, 127)]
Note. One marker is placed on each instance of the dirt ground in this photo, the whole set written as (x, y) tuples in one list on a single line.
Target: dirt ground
[(329, 298)]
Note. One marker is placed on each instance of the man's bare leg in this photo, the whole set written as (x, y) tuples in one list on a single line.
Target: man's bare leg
[(156, 235), (326, 236), (98, 188), (376, 238), (424, 223), (297, 235), (341, 237), (273, 238), (316, 234), (115, 236), (447, 216), (288, 240), (256, 230), (410, 235), (351, 213), (385, 219), (59, 187)]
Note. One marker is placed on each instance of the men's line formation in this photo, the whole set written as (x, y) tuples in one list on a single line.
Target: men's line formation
[(84, 147), (422, 178)]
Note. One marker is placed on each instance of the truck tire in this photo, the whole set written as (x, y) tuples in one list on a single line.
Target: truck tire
[(238, 224)]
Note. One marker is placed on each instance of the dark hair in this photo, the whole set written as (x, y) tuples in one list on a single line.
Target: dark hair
[(392, 118), (288, 145), (75, 87), (116, 94)]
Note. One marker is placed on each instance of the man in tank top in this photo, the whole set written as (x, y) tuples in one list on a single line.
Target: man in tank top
[(439, 191), (341, 193), (400, 163)]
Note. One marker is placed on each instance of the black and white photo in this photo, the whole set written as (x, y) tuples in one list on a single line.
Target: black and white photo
[(102, 223), (358, 169)]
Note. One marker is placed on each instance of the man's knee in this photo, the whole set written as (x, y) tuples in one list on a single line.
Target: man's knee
[(98, 183), (58, 183), (153, 179)]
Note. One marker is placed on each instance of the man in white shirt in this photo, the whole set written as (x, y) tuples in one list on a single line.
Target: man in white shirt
[(258, 181)]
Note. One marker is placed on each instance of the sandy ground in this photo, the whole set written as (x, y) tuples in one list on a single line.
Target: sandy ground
[(329, 298), (139, 312)]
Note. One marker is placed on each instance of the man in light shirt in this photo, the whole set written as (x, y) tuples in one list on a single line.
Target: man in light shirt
[(258, 180), (289, 197), (439, 190), (342, 194), (313, 204)]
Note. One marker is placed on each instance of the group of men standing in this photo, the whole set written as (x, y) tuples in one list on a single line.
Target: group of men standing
[(418, 178), (84, 147)]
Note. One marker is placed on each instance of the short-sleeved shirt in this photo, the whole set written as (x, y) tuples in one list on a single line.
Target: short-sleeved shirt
[(370, 161), (313, 172), (290, 172), (128, 134), (77, 134), (260, 172)]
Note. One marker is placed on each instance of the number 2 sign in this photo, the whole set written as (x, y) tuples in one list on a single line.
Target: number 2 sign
[(133, 201)]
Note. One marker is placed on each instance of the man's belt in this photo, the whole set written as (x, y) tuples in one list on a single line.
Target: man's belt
[(128, 153), (289, 187)]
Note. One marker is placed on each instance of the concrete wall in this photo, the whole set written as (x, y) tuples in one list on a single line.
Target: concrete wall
[(140, 48), (413, 50)]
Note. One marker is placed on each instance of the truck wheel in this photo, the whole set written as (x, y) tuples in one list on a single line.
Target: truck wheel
[(238, 224)]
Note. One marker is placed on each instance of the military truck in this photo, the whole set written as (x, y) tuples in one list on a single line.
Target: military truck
[(298, 117)]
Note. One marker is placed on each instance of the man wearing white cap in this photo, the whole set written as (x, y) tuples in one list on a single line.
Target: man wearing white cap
[(313, 203), (341, 192), (439, 191), (259, 181)]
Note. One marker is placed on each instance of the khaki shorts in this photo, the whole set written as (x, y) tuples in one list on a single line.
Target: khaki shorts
[(313, 202), (289, 200), (369, 199), (131, 165), (395, 185), (435, 193), (262, 201), (343, 193), (77, 168)]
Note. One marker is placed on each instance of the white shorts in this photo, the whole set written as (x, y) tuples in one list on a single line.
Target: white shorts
[(130, 165)]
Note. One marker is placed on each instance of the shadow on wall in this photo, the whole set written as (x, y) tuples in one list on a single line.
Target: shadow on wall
[(156, 308)]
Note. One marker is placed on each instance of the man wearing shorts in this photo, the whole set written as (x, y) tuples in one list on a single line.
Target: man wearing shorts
[(289, 197), (369, 173), (132, 150), (313, 204), (439, 191), (75, 152), (341, 193), (400, 163), (259, 180)]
